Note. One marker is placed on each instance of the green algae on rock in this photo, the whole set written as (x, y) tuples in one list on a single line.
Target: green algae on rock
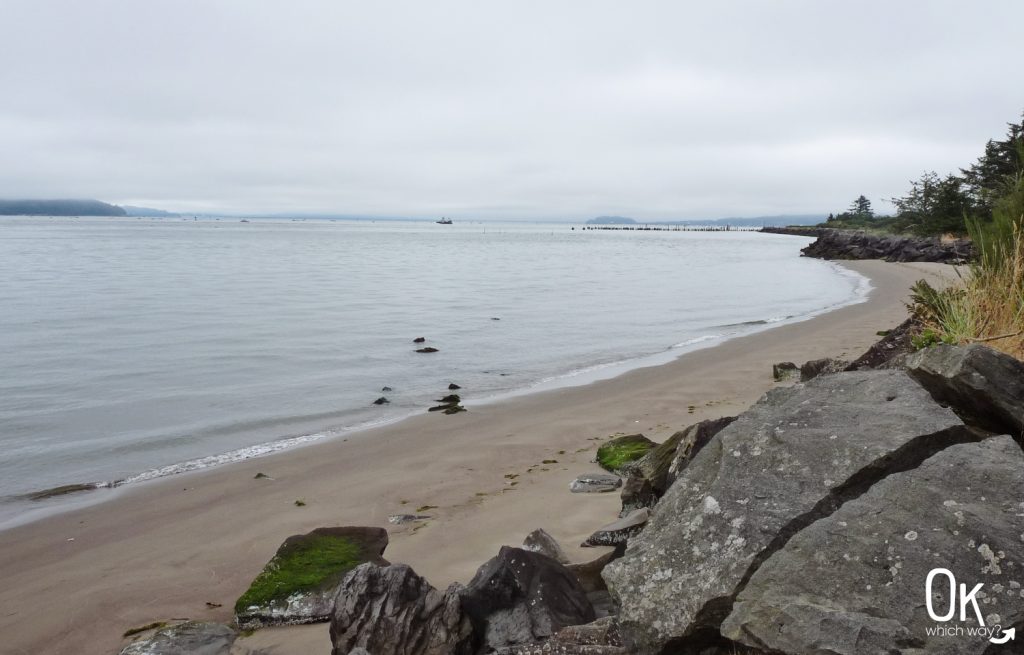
[(618, 452), (298, 584)]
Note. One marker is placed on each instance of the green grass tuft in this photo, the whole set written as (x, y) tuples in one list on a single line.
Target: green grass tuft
[(301, 566)]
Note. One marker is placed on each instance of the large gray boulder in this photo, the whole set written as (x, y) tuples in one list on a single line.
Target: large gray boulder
[(854, 582), (984, 385), (789, 460), (522, 597), (299, 583), (190, 638), (390, 609)]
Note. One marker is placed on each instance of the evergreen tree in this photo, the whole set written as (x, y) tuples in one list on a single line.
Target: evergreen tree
[(861, 208)]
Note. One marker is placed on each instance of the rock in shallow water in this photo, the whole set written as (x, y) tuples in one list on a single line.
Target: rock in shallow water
[(854, 582), (390, 609), (790, 459)]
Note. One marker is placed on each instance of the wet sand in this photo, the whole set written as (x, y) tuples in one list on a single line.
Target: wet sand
[(74, 582)]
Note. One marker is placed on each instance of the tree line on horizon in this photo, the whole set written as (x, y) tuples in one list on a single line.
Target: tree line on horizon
[(947, 204)]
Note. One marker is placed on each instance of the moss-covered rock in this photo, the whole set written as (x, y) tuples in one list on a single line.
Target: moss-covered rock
[(299, 583), (618, 452)]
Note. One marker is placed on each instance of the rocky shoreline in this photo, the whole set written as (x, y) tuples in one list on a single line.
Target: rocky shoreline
[(808, 523), (855, 244)]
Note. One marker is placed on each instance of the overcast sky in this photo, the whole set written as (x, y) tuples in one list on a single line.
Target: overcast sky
[(484, 110)]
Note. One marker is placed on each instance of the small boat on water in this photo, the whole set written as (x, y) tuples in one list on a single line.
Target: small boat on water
[(445, 221)]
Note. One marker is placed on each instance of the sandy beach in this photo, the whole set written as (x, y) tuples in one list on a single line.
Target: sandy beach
[(74, 582)]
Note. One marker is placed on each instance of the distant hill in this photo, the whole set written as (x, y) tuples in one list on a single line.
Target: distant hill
[(611, 220), (58, 208), (750, 221), (148, 212)]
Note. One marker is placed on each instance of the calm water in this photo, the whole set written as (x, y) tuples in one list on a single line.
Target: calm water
[(135, 348)]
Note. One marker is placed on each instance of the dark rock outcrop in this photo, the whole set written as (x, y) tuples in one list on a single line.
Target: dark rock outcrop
[(791, 459), (290, 590), (381, 401), (598, 638), (390, 609), (190, 638), (849, 244), (521, 597), (539, 541), (589, 573), (428, 349), (815, 367), (619, 532), (854, 583), (636, 493), (784, 371), (595, 483), (694, 438), (887, 351), (983, 385), (663, 462)]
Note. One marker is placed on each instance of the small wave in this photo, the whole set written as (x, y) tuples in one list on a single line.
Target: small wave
[(239, 455), (694, 341)]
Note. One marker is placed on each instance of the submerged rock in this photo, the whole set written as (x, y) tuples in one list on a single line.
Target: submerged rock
[(390, 609), (539, 541), (595, 483), (789, 460), (428, 349), (522, 597), (190, 638), (381, 401), (854, 583), (419, 339), (453, 387), (620, 531), (299, 583), (982, 384), (616, 453)]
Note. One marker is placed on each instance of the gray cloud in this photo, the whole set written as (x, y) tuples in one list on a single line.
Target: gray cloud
[(527, 109)]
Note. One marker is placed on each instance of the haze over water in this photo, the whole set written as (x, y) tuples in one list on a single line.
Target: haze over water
[(129, 347)]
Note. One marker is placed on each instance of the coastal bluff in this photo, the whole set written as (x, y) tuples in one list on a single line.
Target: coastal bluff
[(809, 523)]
